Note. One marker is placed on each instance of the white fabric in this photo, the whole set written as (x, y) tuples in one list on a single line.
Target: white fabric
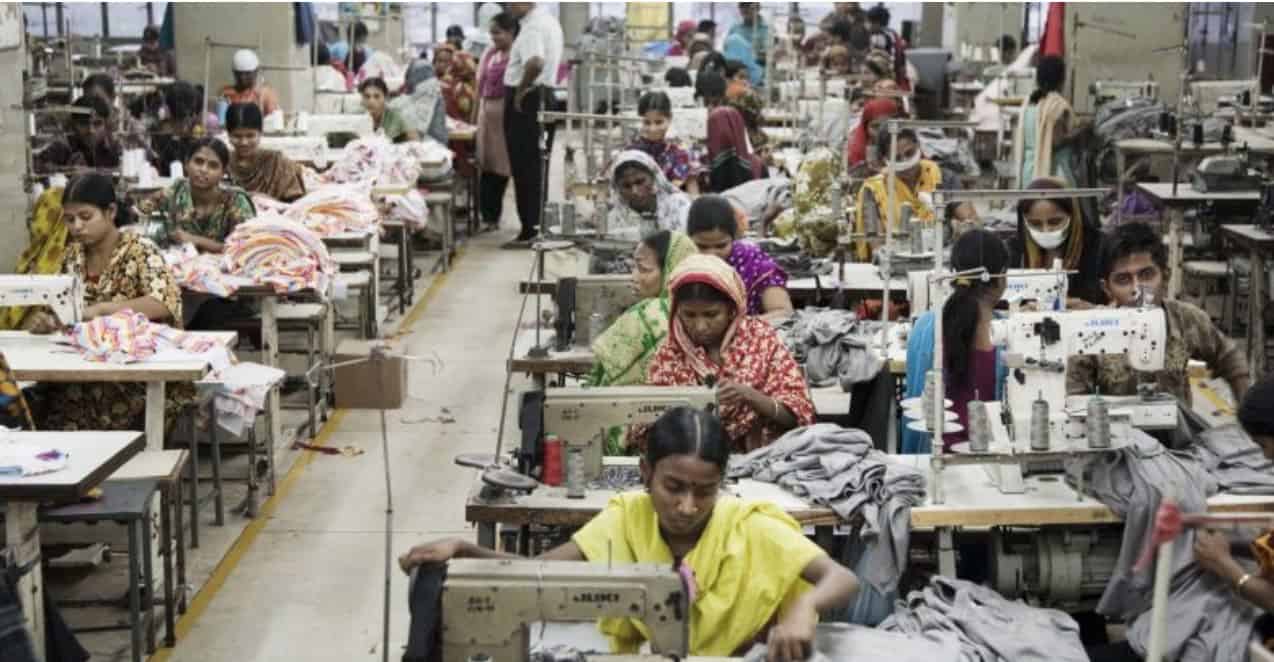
[(539, 36), (246, 60), (328, 79)]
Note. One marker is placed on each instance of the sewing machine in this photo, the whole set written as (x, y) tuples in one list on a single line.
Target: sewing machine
[(63, 294), (579, 298), (489, 606), (1224, 172), (581, 416), (1045, 286)]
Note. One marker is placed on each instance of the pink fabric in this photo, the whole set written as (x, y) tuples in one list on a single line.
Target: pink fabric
[(127, 337)]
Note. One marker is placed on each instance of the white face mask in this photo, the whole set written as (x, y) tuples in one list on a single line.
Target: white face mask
[(1050, 240), (907, 164)]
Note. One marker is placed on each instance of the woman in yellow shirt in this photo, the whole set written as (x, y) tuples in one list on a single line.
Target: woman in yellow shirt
[(756, 577), (914, 178)]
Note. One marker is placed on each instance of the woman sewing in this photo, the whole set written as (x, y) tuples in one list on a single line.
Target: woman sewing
[(199, 209), (914, 179), (119, 271), (712, 340), (643, 201), (655, 109), (622, 353), (730, 156), (1047, 130), (385, 120), (88, 142), (972, 366), (258, 170), (756, 577), (714, 227), (1056, 229)]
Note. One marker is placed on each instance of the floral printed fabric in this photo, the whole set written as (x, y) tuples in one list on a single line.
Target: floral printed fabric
[(14, 413), (233, 208), (135, 270), (758, 271), (127, 337)]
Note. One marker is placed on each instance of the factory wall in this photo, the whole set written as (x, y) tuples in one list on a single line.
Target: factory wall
[(13, 199), (1121, 41), (980, 25), (269, 28)]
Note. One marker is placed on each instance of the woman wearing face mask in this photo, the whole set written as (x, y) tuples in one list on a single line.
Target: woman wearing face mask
[(676, 163), (643, 201), (1133, 268), (973, 368), (88, 143), (385, 120), (1056, 229), (119, 271), (493, 154), (258, 170), (757, 577), (714, 227), (713, 340), (622, 352), (875, 111), (915, 178)]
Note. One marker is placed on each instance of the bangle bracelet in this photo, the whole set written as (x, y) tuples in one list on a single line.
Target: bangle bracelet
[(1238, 586), (776, 408)]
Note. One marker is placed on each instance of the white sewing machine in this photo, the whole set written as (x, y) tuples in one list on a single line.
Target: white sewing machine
[(581, 416), (489, 606), (1046, 286), (63, 294)]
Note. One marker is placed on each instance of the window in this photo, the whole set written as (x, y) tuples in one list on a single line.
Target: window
[(85, 18), (125, 20)]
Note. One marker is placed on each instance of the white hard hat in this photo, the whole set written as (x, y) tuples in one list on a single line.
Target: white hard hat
[(245, 60)]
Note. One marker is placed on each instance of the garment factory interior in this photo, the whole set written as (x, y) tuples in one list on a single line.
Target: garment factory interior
[(477, 332)]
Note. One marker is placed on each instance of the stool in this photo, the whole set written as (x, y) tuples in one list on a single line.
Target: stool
[(309, 318), (361, 282), (1203, 278), (442, 202), (166, 467)]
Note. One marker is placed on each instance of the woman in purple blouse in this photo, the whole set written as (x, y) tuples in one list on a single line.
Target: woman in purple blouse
[(655, 109), (713, 226)]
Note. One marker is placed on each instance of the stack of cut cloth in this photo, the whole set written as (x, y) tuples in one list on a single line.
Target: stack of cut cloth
[(1235, 461), (833, 345), (378, 161), (985, 627), (128, 337), (336, 208), (839, 468), (276, 251), (1206, 621)]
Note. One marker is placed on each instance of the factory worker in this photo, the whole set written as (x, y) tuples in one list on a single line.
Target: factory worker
[(714, 226), (259, 170), (756, 576), (248, 88), (643, 201), (1134, 271), (973, 368), (914, 178), (1058, 229)]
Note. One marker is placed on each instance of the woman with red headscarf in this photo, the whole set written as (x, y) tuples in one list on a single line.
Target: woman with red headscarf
[(681, 40), (460, 95), (874, 111)]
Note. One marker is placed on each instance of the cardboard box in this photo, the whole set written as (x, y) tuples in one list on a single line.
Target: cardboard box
[(370, 385)]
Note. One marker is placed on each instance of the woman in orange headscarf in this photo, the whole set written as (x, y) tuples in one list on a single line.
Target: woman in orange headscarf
[(460, 94)]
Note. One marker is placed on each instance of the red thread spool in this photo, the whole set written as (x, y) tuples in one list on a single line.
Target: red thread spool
[(552, 460)]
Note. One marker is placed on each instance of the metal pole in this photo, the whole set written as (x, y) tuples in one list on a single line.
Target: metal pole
[(106, 21), (891, 198)]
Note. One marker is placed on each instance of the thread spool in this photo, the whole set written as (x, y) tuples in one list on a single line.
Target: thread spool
[(1039, 425), (979, 427), (574, 472), (552, 460), (1097, 425)]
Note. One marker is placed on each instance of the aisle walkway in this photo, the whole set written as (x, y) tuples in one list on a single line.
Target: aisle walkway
[(308, 584)]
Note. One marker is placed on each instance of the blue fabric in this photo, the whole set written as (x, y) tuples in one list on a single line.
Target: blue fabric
[(919, 360), (339, 50), (738, 48), (305, 23)]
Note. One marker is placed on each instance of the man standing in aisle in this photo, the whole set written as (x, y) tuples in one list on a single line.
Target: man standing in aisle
[(533, 63)]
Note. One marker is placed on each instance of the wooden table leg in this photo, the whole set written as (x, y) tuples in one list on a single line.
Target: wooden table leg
[(154, 416), (1256, 316), (1176, 252), (22, 547)]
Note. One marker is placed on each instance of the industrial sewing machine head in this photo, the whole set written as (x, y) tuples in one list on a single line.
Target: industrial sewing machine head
[(63, 294), (489, 606), (1046, 287), (1225, 172), (586, 306)]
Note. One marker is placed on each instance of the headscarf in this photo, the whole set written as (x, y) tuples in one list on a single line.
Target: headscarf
[(738, 48), (269, 172), (671, 205), (419, 106), (873, 110), (684, 29), (719, 275), (622, 352), (1033, 255), (727, 129)]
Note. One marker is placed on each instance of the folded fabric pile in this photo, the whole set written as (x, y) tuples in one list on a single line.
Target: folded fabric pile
[(833, 345), (335, 208), (276, 251), (376, 160), (843, 641), (409, 208), (841, 469), (1235, 461), (18, 460), (1205, 622), (128, 337), (984, 626), (264, 204)]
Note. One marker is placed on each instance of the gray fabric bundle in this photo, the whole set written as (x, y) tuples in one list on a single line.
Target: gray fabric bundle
[(833, 346), (984, 625), (1235, 461), (840, 468), (836, 642), (1206, 621)]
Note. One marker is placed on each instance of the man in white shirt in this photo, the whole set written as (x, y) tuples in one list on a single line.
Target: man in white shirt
[(531, 72)]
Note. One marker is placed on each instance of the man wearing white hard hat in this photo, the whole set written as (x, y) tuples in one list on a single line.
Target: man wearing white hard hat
[(247, 87)]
